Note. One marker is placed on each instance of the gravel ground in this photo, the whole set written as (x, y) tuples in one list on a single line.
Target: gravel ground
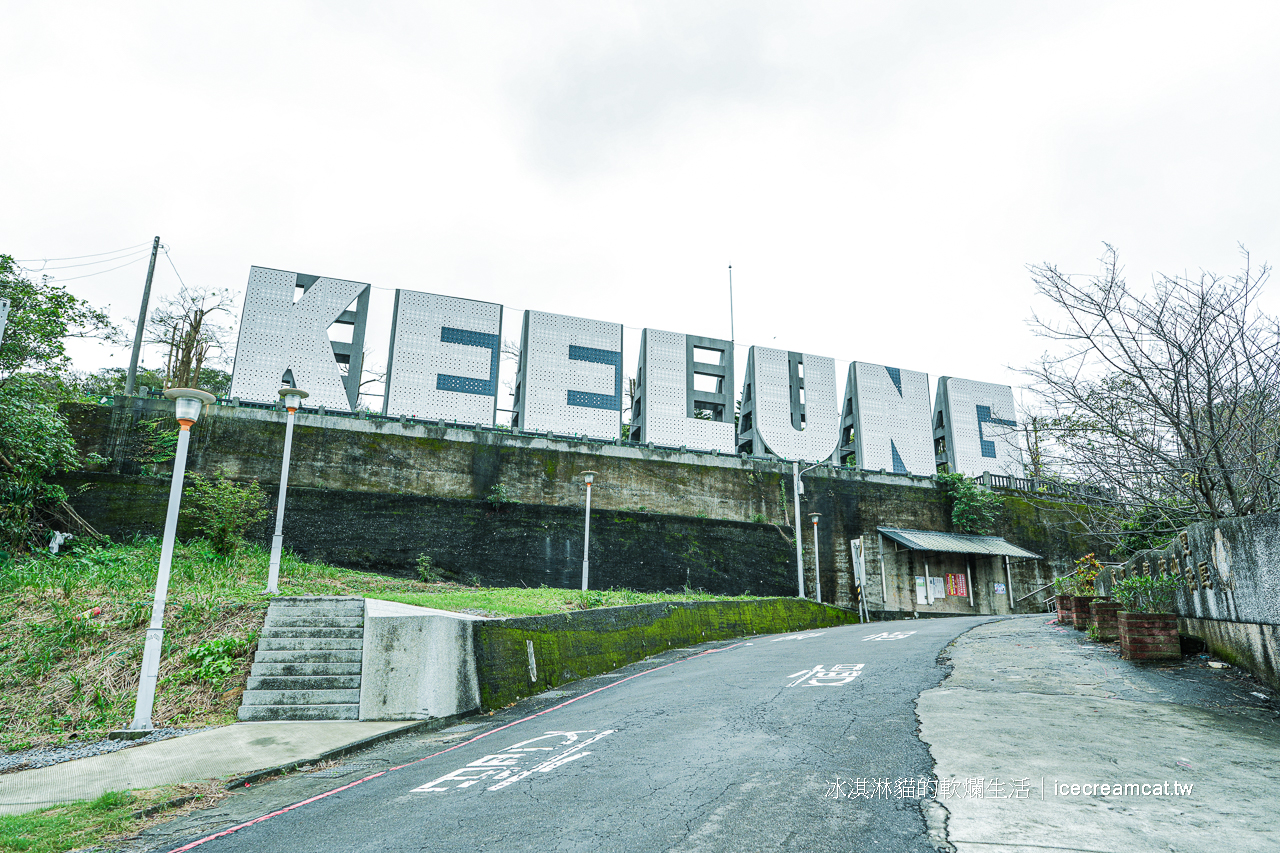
[(43, 756)]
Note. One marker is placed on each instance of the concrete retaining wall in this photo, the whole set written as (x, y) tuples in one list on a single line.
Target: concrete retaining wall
[(1229, 588), (516, 658), (376, 494)]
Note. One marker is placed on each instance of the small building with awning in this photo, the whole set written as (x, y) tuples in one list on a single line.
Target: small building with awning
[(927, 571)]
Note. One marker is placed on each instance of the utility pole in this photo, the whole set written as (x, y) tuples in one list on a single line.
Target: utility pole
[(132, 375), (731, 337)]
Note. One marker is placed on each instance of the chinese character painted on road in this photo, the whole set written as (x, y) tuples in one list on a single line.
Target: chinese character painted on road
[(798, 636), (896, 635), (824, 676), (504, 767)]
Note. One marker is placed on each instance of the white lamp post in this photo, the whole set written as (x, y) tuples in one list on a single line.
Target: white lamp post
[(292, 400), (590, 477), (817, 566), (796, 474), (187, 405)]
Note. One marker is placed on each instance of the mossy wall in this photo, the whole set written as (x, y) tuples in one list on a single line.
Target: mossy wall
[(376, 494), (571, 646)]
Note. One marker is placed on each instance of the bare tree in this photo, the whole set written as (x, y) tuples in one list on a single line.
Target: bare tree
[(1167, 397), (183, 326)]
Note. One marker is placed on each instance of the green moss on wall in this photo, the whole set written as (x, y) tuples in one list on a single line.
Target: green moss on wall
[(573, 646)]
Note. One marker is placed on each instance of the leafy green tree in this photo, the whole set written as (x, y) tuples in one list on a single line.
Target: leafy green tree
[(35, 445), (42, 315), (35, 441), (974, 510), (223, 510)]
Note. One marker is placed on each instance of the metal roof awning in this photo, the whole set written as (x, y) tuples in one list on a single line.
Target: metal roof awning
[(955, 543)]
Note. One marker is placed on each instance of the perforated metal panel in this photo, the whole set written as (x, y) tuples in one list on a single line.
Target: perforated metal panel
[(278, 335), (977, 426), (570, 376), (443, 360), (663, 412), (772, 406), (886, 422), (4, 317)]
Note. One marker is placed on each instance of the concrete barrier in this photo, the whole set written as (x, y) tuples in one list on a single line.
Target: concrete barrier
[(418, 663)]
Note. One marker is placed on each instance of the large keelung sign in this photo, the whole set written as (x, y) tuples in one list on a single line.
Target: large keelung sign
[(443, 365)]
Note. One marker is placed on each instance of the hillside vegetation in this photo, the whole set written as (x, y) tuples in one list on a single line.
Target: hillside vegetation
[(72, 628)]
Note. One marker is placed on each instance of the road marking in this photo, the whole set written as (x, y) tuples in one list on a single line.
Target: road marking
[(822, 676), (230, 830), (503, 767), (896, 635), (797, 637)]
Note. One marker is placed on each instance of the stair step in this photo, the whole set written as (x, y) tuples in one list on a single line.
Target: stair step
[(266, 670), (303, 682), (291, 621), (318, 608), (307, 655), (301, 697), (263, 713), (297, 644), (314, 633)]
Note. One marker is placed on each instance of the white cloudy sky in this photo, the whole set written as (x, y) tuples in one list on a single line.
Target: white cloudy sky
[(878, 174)]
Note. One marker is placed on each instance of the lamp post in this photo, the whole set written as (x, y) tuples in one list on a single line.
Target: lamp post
[(292, 400), (590, 477), (817, 567), (187, 405), (796, 474)]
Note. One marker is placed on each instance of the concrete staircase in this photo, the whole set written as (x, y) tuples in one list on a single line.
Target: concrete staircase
[(308, 661)]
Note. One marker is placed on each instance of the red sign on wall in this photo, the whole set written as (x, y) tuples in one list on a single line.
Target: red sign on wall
[(957, 585)]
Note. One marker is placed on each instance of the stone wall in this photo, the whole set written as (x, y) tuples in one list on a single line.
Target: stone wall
[(1229, 588), (506, 508)]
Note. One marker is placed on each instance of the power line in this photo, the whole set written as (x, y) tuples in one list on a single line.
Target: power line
[(101, 272), (80, 257), (88, 264), (168, 258)]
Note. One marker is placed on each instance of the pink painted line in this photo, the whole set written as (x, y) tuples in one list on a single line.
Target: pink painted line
[(277, 813)]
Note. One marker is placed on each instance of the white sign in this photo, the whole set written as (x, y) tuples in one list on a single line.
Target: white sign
[(444, 352)]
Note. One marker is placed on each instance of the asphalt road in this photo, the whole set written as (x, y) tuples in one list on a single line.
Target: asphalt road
[(726, 747)]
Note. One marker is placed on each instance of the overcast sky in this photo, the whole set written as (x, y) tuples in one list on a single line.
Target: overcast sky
[(879, 175)]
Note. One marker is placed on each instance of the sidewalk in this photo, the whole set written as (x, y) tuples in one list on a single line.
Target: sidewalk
[(1029, 700), (231, 751)]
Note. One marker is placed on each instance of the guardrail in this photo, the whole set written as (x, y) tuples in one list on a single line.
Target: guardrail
[(1056, 488)]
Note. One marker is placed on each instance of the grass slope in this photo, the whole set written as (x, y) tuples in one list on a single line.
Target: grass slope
[(67, 673)]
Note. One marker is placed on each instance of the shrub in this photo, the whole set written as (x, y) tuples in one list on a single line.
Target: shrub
[(974, 510), (223, 510), (1145, 594), (1082, 582), (428, 573), (215, 660)]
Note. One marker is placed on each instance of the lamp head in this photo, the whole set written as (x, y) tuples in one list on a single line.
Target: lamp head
[(589, 476), (814, 516), (187, 404), (293, 398)]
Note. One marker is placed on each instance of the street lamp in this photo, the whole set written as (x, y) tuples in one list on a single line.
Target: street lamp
[(187, 405), (292, 400), (590, 477), (817, 567), (796, 474)]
